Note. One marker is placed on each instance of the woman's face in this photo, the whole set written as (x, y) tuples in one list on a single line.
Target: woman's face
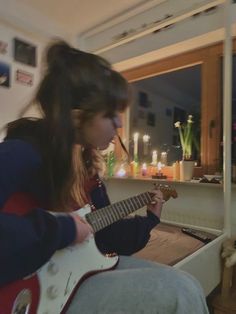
[(99, 131)]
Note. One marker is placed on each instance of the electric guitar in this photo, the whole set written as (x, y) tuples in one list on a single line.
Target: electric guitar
[(49, 290)]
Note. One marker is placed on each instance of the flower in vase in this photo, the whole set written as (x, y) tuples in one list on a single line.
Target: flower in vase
[(187, 137)]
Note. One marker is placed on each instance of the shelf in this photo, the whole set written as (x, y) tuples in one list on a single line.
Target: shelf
[(170, 182)]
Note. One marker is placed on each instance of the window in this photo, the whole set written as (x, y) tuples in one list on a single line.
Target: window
[(209, 59), (169, 98)]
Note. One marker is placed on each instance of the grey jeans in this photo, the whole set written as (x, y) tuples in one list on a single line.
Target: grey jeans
[(139, 287)]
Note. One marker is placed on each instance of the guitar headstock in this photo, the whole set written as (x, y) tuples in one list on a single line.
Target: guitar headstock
[(167, 191)]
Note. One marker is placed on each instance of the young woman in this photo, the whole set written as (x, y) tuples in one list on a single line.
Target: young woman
[(53, 163)]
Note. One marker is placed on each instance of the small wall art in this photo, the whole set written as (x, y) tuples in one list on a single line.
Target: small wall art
[(4, 74), (151, 119), (143, 100), (3, 47), (24, 77), (24, 52)]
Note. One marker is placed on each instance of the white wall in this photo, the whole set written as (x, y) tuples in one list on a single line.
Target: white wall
[(198, 204), (13, 99)]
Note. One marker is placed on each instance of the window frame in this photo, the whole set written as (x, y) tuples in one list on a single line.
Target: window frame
[(211, 110)]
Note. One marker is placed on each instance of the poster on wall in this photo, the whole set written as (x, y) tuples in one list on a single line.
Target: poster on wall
[(3, 47), (4, 74), (24, 52), (24, 77), (143, 100), (151, 119)]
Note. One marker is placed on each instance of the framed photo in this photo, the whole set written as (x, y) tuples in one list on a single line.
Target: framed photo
[(24, 52), (3, 47), (151, 119), (24, 77), (143, 100), (5, 74)]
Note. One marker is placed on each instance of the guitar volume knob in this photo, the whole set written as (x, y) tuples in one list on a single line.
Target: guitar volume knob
[(52, 292), (53, 268)]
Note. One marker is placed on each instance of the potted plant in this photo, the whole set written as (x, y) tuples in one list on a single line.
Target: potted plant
[(187, 141)]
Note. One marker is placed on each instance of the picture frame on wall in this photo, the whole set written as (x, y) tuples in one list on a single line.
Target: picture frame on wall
[(24, 77), (143, 100), (151, 119), (3, 47), (5, 71), (24, 52)]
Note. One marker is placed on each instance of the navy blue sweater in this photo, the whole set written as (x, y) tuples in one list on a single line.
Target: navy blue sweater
[(27, 242)]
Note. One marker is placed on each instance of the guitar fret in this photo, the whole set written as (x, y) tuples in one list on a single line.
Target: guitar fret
[(134, 203), (130, 206), (142, 200), (115, 214), (92, 220), (100, 222), (109, 215), (139, 201), (104, 217), (120, 210), (125, 208), (112, 213), (147, 197)]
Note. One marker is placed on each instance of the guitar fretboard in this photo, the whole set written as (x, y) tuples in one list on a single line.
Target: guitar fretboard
[(106, 216)]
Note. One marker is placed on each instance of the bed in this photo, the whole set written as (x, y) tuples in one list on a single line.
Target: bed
[(169, 245), (198, 206)]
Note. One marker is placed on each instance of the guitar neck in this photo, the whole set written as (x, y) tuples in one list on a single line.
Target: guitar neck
[(106, 216)]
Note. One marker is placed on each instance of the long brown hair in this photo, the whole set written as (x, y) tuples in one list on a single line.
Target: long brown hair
[(74, 80)]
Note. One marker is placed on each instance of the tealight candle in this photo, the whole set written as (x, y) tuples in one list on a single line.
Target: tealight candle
[(144, 169), (121, 172)]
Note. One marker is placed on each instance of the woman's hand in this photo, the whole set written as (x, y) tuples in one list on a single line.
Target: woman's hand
[(157, 202), (82, 227)]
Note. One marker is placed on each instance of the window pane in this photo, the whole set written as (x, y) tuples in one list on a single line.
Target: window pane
[(161, 101)]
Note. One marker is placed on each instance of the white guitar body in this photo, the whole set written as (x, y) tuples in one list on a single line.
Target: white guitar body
[(66, 268), (49, 290)]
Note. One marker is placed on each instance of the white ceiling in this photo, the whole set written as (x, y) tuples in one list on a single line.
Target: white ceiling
[(78, 16)]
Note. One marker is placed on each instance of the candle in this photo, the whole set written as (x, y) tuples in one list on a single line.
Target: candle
[(154, 157), (121, 172), (164, 158), (159, 166), (145, 144), (144, 169), (136, 136)]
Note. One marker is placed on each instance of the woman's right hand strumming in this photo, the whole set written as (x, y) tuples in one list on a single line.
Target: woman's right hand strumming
[(83, 229)]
